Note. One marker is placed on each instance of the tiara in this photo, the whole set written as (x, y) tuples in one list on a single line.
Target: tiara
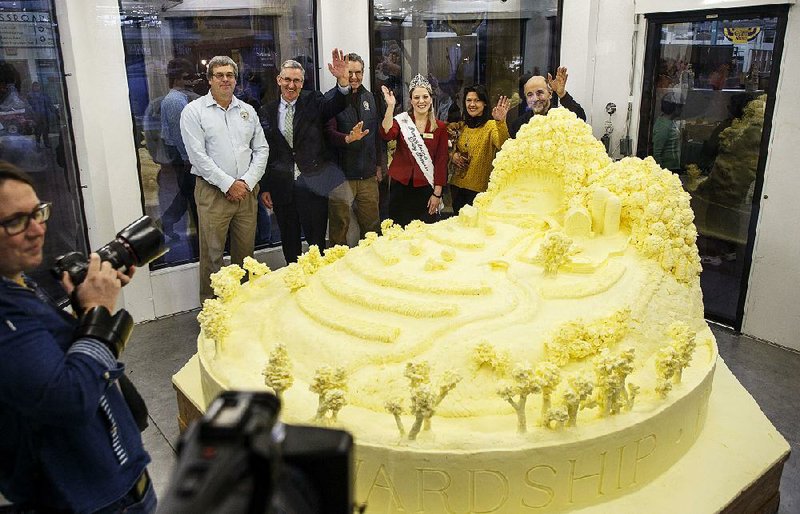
[(419, 81)]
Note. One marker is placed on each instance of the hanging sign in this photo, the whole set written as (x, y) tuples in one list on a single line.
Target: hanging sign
[(741, 35)]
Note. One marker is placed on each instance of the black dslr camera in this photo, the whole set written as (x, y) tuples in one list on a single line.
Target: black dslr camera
[(240, 459), (135, 245)]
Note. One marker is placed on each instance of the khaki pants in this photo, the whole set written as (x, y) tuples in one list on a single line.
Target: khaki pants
[(362, 195), (216, 217)]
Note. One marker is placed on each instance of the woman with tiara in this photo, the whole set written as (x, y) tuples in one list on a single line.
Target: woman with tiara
[(418, 171), (480, 136)]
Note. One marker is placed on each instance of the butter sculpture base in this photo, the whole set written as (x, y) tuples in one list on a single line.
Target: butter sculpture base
[(734, 467)]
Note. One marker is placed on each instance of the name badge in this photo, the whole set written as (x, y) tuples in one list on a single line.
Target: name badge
[(427, 136)]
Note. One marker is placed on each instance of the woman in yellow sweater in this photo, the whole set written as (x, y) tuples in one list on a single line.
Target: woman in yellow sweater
[(480, 137)]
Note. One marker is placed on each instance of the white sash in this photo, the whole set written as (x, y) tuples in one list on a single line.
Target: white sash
[(416, 144)]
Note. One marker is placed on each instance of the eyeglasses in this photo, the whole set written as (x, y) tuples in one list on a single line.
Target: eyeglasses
[(18, 223), (292, 81), (220, 76)]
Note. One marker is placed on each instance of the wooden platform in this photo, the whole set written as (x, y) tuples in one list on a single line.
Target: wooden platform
[(734, 468)]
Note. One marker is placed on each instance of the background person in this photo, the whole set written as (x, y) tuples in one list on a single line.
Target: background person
[(539, 97), (353, 135), (416, 178), (179, 74), (300, 172), (226, 146), (70, 442), (480, 136), (42, 108)]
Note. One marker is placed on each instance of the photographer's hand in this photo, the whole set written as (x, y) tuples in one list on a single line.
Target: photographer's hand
[(101, 286)]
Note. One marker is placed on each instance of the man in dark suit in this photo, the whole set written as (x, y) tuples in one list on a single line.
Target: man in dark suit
[(300, 171)]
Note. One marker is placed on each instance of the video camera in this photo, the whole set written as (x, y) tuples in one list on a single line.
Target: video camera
[(240, 459), (135, 245)]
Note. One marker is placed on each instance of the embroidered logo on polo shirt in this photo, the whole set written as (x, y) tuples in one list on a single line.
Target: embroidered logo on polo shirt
[(245, 115)]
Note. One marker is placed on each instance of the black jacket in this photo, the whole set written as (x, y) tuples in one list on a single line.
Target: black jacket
[(357, 159), (311, 152)]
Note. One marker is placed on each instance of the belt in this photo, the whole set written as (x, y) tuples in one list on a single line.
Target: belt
[(140, 486)]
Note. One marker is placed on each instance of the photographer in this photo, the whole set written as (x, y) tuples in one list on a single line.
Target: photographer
[(69, 442)]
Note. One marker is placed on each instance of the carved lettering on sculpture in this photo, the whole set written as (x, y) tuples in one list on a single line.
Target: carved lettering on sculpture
[(601, 476), (473, 489), (442, 490), (540, 486), (619, 467), (639, 456), (387, 486)]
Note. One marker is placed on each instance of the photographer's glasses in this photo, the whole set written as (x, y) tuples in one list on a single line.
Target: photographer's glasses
[(18, 223)]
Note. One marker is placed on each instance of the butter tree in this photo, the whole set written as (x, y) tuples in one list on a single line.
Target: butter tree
[(424, 396), (278, 371), (555, 418), (330, 385), (395, 408), (422, 407), (579, 389), (516, 394), (611, 371), (547, 375), (667, 365), (554, 251), (683, 340)]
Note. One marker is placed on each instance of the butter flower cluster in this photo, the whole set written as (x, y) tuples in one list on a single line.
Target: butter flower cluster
[(214, 321), (558, 145), (254, 268), (554, 251), (577, 340), (226, 282), (656, 210)]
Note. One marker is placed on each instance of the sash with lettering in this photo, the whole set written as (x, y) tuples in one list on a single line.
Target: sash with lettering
[(416, 144)]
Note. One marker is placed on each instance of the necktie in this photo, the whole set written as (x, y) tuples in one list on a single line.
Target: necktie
[(288, 132), (288, 129)]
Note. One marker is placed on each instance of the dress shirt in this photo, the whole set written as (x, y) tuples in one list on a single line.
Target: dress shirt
[(283, 104), (224, 145)]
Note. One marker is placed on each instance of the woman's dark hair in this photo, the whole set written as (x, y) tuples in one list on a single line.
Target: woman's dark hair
[(483, 96), (10, 172)]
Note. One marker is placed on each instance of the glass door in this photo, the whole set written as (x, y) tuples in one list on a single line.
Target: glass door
[(709, 91), (35, 130), (167, 46)]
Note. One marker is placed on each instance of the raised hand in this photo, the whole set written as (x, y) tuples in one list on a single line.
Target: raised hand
[(338, 67), (501, 109), (357, 133), (558, 84), (388, 96)]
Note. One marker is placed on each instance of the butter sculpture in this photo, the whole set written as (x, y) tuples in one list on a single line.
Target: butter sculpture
[(545, 350)]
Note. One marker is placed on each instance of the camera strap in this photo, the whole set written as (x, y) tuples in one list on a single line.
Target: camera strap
[(135, 402)]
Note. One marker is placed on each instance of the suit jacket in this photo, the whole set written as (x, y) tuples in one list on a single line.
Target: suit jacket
[(314, 159)]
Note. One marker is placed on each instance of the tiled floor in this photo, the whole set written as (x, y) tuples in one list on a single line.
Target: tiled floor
[(159, 349)]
